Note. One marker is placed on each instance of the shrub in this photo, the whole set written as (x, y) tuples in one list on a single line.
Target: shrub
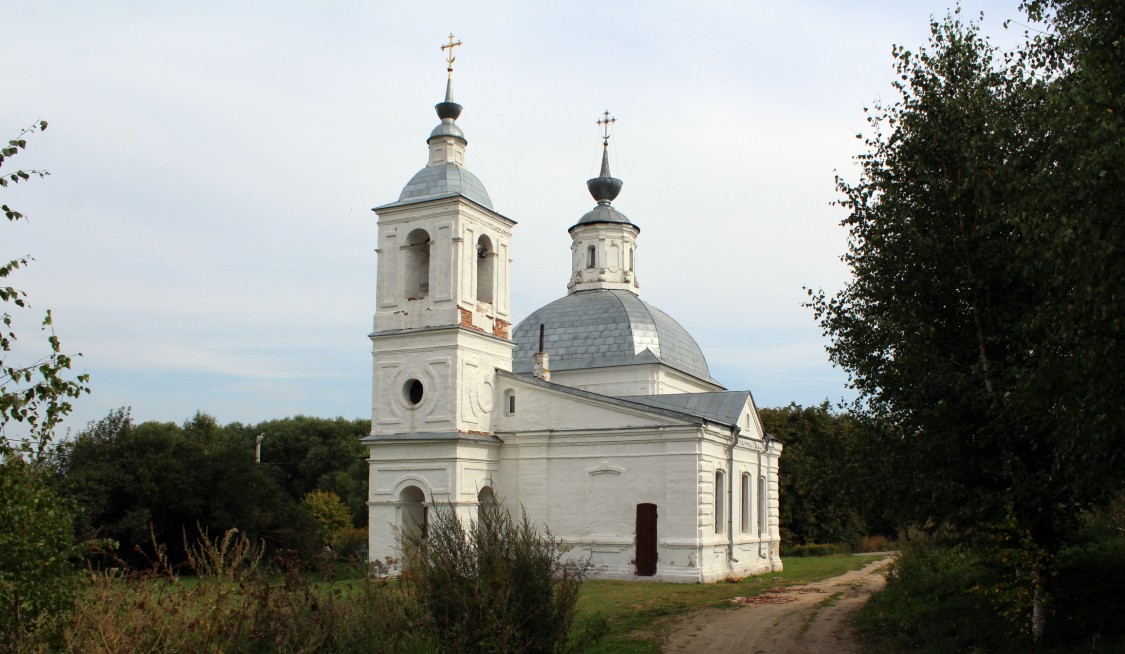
[(814, 549), (37, 550), (876, 544), (1091, 573), (497, 585), (350, 544), (936, 600)]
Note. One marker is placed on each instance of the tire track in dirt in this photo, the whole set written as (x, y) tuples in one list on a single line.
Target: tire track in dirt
[(803, 619)]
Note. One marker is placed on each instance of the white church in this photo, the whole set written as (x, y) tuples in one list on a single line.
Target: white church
[(597, 415)]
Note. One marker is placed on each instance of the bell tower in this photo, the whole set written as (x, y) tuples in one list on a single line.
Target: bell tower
[(441, 330)]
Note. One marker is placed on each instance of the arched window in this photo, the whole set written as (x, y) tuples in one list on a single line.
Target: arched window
[(417, 273), (486, 269), (415, 513), (509, 402), (720, 508), (486, 499), (591, 256), (630, 259), (745, 503)]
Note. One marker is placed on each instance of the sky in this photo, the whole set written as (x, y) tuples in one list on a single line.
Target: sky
[(205, 238)]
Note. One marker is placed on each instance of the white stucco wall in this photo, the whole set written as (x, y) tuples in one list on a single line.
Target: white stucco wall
[(647, 379), (614, 246), (454, 226), (456, 368), (582, 466), (447, 470)]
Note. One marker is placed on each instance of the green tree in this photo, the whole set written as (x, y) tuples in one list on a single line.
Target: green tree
[(998, 396), (37, 546), (307, 453), (135, 482), (328, 513), (1073, 217), (817, 476), (37, 550)]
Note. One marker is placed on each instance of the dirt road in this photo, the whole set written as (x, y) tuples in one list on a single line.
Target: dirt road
[(804, 619)]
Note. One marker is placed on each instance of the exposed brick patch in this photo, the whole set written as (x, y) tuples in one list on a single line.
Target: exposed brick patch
[(500, 328), (474, 432), (467, 319)]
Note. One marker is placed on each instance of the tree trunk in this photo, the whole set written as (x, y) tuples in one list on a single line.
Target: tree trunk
[(1038, 610)]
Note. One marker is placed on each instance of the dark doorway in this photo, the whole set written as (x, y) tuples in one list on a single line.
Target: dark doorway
[(646, 540)]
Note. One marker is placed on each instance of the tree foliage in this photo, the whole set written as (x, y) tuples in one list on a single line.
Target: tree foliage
[(307, 454), (928, 326), (135, 482), (37, 550), (983, 321), (37, 544), (328, 513), (818, 495), (35, 392)]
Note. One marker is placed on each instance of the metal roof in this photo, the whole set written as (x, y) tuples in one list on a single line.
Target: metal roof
[(724, 407), (607, 327), (443, 180), (603, 213)]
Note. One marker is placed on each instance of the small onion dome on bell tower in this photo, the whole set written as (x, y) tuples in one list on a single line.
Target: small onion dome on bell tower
[(605, 187), (604, 241), (448, 111), (445, 173)]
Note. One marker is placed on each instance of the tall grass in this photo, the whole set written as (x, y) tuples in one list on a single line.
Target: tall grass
[(235, 607), (495, 585)]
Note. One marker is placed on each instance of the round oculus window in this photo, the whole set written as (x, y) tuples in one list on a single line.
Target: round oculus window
[(412, 392)]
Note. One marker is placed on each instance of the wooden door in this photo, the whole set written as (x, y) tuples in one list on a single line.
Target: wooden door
[(645, 558)]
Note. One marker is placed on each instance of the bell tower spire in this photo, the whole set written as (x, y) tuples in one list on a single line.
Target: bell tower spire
[(604, 241)]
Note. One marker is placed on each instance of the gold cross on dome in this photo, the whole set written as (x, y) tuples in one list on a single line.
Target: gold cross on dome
[(605, 122), (449, 46)]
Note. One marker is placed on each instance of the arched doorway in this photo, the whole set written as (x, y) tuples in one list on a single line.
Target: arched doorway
[(415, 513)]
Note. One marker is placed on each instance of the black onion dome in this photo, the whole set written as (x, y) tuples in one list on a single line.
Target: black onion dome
[(448, 109), (605, 188)]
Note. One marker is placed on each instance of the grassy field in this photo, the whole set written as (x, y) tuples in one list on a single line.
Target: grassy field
[(634, 610)]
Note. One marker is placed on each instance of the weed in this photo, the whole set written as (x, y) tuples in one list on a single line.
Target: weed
[(822, 604)]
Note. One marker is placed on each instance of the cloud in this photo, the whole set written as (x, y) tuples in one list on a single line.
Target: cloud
[(205, 237)]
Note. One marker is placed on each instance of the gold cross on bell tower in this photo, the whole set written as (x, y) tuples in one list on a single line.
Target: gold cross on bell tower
[(450, 58), (605, 122)]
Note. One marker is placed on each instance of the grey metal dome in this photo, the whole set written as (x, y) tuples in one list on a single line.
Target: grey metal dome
[(445, 180), (448, 128), (603, 213), (606, 327)]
